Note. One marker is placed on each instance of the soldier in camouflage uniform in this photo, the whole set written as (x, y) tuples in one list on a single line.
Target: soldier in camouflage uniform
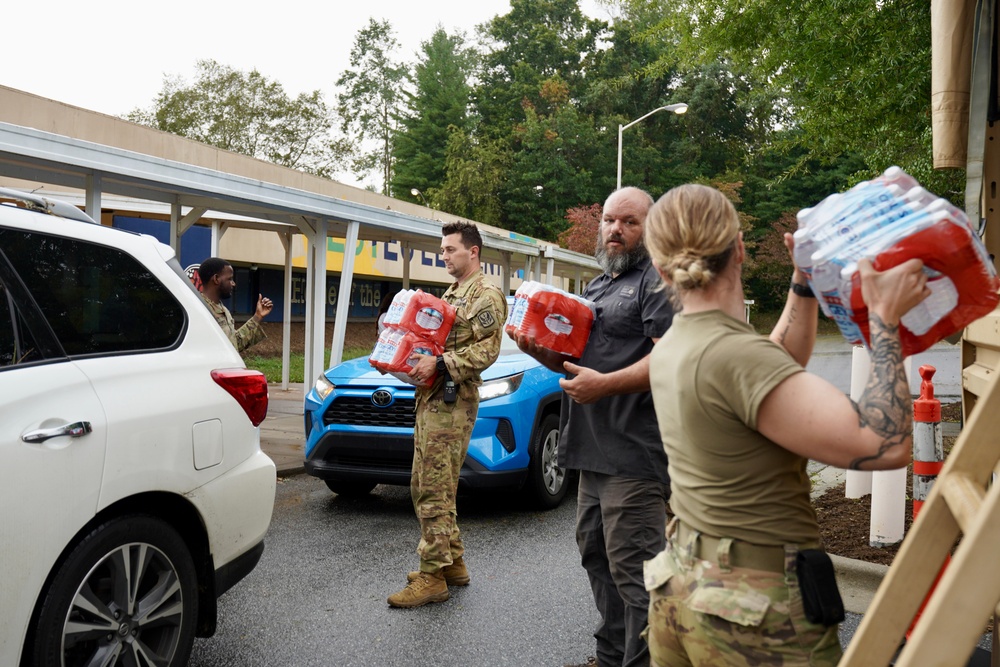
[(216, 284), (442, 431), (705, 613), (740, 418)]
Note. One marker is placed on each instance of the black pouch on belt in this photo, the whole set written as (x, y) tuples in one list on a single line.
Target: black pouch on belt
[(820, 595)]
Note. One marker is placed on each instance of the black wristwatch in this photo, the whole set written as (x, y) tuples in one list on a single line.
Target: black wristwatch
[(440, 365), (802, 290)]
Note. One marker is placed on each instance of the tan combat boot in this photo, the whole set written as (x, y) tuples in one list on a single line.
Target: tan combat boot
[(455, 574), (423, 589)]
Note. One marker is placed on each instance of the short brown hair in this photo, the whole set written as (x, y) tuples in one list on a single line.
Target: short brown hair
[(469, 232)]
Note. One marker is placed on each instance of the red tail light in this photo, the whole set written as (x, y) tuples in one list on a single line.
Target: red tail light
[(249, 388)]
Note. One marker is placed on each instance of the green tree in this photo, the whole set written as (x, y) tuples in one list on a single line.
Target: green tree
[(247, 113), (441, 101), (371, 98), (554, 151), (475, 172), (854, 74), (535, 41), (619, 91)]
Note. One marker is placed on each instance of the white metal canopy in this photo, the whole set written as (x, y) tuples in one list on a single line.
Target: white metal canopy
[(31, 154)]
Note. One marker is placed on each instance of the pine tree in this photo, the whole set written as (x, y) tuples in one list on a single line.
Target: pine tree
[(440, 102)]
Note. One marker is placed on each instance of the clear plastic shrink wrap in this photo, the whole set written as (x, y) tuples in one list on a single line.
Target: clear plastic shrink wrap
[(557, 320), (416, 323), (890, 220)]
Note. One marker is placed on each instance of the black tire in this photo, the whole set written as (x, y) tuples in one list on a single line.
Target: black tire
[(547, 482), (91, 586), (350, 489)]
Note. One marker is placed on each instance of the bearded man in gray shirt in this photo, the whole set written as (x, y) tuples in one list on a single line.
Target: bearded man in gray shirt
[(610, 433)]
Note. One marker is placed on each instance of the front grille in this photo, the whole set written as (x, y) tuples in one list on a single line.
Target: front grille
[(373, 462), (359, 411)]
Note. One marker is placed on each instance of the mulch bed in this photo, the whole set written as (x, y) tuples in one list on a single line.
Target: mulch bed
[(844, 523)]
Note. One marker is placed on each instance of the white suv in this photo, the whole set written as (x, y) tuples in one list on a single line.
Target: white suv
[(132, 485)]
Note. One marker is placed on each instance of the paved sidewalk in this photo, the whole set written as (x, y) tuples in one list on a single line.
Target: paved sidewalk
[(282, 435)]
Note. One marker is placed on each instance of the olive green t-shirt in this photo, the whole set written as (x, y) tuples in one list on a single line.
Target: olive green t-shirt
[(709, 374)]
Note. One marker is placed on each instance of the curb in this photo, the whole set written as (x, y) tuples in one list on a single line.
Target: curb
[(857, 580), (290, 470)]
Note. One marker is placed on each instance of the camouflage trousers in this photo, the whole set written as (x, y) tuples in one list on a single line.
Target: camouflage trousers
[(703, 614), (440, 442)]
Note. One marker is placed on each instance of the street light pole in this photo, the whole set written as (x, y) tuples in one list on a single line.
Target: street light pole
[(678, 108), (417, 193)]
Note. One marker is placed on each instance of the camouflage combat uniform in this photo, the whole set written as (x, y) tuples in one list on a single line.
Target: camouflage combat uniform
[(247, 336), (443, 430), (705, 614)]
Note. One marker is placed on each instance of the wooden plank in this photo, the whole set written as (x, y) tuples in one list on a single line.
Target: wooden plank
[(931, 537), (985, 331), (903, 590), (953, 620), (964, 497), (976, 378)]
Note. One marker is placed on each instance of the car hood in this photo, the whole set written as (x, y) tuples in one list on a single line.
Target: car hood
[(359, 372)]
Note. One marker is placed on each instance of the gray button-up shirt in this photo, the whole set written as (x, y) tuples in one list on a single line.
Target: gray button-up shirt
[(618, 435)]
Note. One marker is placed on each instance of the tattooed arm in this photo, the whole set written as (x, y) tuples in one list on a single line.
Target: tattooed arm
[(885, 406), (796, 328), (808, 415)]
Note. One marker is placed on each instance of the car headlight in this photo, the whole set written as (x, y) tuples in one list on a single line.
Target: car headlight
[(323, 387), (500, 387)]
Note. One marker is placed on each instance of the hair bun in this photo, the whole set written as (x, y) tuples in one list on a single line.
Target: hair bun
[(690, 272)]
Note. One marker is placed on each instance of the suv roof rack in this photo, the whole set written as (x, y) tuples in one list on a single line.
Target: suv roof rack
[(45, 205)]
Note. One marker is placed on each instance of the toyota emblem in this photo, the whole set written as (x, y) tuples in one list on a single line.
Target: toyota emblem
[(382, 398)]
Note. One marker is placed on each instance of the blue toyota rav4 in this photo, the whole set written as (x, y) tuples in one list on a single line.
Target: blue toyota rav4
[(359, 429)]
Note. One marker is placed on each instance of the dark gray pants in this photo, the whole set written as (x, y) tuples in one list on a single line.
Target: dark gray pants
[(619, 524)]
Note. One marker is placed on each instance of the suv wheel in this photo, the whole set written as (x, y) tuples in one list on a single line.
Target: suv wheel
[(350, 489), (125, 595), (546, 480)]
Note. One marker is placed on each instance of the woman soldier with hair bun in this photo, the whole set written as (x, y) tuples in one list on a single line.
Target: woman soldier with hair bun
[(740, 417)]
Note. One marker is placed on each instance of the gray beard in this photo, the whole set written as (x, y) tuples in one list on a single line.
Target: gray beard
[(619, 263)]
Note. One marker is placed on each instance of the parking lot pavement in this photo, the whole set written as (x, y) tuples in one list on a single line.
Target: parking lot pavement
[(282, 438)]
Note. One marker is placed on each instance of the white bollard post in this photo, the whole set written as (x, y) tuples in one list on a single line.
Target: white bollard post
[(859, 482), (889, 499)]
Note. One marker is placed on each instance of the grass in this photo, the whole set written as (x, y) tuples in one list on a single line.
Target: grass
[(271, 366)]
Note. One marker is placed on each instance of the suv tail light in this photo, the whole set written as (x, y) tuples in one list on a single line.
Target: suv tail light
[(249, 388)]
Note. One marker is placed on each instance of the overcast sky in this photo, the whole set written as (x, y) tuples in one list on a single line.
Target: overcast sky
[(111, 56)]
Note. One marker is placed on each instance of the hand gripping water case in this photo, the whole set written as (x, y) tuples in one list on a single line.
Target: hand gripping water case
[(961, 277), (890, 220), (400, 365), (557, 320)]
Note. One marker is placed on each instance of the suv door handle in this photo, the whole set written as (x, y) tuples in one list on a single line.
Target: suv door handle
[(74, 430)]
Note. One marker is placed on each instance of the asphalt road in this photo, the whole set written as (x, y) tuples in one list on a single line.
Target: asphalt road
[(831, 359), (317, 598), (318, 595)]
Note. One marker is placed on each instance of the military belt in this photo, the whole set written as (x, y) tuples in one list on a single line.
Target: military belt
[(729, 552)]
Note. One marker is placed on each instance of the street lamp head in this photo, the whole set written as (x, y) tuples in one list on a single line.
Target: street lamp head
[(415, 192), (678, 108)]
